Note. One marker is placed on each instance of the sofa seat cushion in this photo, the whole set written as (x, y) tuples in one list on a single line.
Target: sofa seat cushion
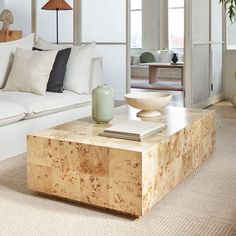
[(10, 112), (37, 106)]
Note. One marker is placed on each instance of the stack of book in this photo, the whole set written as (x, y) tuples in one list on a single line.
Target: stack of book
[(133, 130)]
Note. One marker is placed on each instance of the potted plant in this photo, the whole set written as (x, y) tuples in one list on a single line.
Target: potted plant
[(230, 7)]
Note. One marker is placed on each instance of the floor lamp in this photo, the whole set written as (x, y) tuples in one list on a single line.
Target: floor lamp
[(57, 5)]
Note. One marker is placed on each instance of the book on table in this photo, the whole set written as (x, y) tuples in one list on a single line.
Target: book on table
[(133, 130)]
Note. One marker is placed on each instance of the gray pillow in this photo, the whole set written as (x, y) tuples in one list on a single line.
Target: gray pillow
[(147, 57), (57, 75)]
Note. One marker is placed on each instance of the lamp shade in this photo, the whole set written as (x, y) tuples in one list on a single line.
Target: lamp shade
[(57, 5)]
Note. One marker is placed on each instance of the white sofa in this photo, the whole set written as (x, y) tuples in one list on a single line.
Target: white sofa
[(140, 70), (22, 113)]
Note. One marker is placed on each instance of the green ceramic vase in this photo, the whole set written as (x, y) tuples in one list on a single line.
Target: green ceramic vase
[(102, 104)]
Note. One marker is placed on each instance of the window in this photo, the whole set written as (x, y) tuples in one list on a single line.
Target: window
[(231, 35), (136, 23), (176, 23)]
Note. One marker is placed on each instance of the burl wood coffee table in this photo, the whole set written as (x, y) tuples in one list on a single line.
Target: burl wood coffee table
[(73, 162)]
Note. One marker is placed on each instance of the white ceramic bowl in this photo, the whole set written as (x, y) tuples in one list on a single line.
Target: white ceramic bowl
[(148, 102)]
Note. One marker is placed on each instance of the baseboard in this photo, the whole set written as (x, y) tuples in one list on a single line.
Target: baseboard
[(210, 101)]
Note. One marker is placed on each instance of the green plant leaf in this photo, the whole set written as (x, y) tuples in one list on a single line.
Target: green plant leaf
[(230, 7)]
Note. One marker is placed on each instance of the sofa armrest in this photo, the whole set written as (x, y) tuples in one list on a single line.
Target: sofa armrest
[(96, 77)]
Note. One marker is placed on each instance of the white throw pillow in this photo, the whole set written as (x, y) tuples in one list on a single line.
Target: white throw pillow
[(78, 68), (7, 51), (165, 56), (45, 45), (30, 71)]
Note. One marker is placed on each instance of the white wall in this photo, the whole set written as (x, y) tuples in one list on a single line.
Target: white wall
[(229, 73), (1, 5), (46, 23), (46, 19), (22, 14)]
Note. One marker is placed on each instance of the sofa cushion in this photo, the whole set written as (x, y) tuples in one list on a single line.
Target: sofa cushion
[(7, 51), (37, 106), (165, 56), (136, 56), (30, 71), (79, 67), (45, 45), (147, 57), (57, 75), (10, 112)]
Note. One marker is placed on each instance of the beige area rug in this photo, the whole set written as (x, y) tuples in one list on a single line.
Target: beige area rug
[(203, 204)]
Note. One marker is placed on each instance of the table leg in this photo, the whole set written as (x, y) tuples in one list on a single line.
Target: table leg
[(152, 74)]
